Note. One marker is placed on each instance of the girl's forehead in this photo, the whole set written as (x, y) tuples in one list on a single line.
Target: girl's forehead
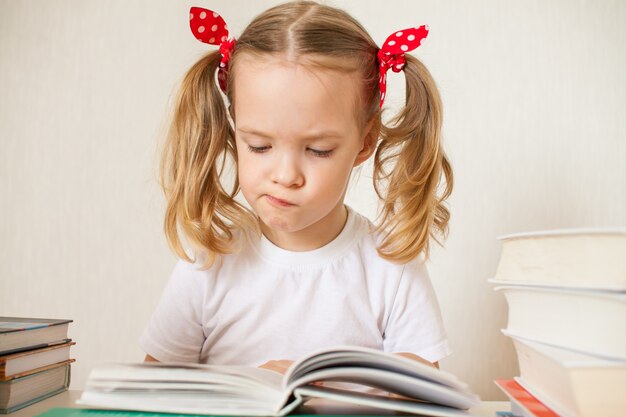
[(286, 94)]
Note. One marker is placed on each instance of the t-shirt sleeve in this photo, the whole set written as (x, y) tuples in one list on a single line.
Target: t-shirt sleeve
[(175, 331), (415, 324)]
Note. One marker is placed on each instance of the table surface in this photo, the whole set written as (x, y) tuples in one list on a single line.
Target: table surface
[(67, 399)]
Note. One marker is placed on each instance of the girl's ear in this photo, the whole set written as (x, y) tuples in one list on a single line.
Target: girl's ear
[(370, 138)]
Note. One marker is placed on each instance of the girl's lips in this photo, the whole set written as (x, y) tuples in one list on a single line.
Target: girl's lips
[(279, 202)]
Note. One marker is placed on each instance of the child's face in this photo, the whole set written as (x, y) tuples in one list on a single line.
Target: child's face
[(297, 141)]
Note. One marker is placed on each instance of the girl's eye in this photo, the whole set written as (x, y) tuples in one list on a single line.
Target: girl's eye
[(321, 154), (258, 149)]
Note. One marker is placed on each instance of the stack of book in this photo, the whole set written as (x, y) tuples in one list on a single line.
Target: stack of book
[(34, 360), (566, 292)]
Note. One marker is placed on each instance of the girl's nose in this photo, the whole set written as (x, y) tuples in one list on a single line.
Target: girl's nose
[(287, 172)]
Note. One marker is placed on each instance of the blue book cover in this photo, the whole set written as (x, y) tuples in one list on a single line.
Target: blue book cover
[(18, 334)]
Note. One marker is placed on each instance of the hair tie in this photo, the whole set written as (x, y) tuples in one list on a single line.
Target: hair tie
[(391, 55), (209, 27)]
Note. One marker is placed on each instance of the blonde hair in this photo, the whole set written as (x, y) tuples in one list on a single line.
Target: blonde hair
[(409, 163)]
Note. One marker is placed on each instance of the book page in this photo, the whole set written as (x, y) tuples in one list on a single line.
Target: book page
[(369, 359), (406, 406), (185, 388), (407, 386)]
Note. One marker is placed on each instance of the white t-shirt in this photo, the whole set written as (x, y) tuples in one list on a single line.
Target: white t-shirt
[(266, 303)]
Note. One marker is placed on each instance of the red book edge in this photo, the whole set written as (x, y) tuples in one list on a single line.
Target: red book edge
[(524, 399)]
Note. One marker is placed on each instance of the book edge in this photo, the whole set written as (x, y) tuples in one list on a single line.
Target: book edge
[(594, 231), (617, 289), (68, 378), (619, 296), (503, 383), (46, 323)]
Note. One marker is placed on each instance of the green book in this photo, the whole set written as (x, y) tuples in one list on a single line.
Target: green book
[(29, 389), (78, 412)]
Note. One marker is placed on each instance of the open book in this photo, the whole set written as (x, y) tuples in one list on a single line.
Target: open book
[(234, 390)]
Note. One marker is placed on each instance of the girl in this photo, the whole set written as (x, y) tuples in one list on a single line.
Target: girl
[(298, 270)]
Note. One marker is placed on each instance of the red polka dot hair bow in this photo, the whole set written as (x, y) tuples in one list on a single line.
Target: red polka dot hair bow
[(391, 55), (209, 27)]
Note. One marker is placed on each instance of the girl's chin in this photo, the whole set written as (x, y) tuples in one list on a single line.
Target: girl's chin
[(279, 224)]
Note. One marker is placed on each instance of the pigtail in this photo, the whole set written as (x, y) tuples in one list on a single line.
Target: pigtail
[(408, 165), (195, 155)]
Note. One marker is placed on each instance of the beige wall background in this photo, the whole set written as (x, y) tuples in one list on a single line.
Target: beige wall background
[(534, 94)]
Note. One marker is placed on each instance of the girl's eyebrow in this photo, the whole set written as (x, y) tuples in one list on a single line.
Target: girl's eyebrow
[(312, 135)]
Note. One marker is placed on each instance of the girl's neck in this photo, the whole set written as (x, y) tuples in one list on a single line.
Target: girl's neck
[(312, 237)]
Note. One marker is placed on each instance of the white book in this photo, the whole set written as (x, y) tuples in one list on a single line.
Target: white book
[(575, 258), (234, 390), (592, 322), (570, 383)]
